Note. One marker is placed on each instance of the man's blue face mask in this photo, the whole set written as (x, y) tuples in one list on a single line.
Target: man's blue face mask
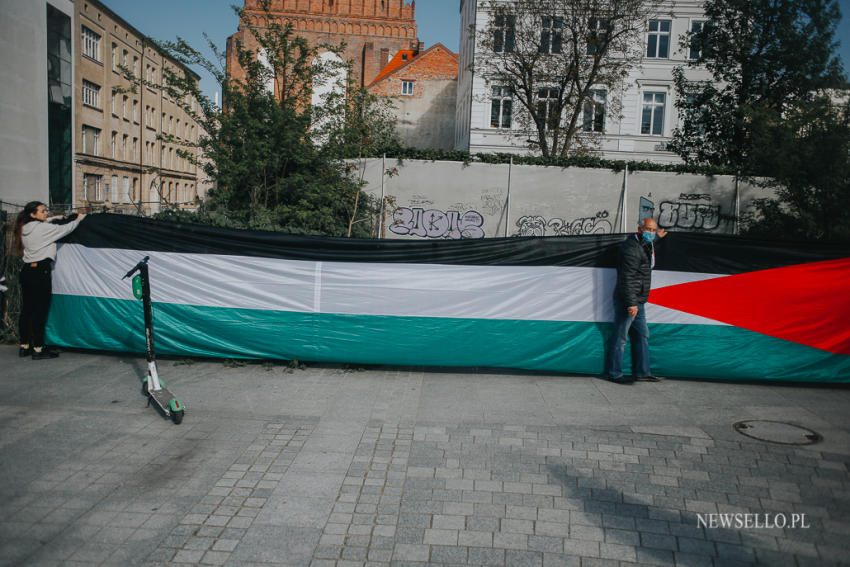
[(648, 236)]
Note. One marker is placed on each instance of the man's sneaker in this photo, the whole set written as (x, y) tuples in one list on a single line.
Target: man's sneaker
[(625, 380), (23, 352), (44, 354), (649, 378)]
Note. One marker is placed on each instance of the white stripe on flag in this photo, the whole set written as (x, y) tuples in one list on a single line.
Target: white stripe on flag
[(542, 293)]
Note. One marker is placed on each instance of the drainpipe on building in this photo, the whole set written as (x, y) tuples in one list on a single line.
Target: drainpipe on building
[(508, 200), (383, 204), (624, 209), (737, 204), (142, 117)]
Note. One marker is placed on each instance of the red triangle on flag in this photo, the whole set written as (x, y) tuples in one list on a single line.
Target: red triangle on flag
[(806, 303)]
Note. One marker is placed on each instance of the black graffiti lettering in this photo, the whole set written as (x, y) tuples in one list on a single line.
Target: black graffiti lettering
[(531, 226), (538, 225), (694, 197)]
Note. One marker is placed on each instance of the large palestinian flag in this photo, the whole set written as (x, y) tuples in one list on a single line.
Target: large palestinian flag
[(721, 307)]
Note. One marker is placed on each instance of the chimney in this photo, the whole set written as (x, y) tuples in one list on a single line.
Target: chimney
[(420, 48)]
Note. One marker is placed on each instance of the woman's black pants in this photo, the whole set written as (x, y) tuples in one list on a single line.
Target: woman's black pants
[(36, 290)]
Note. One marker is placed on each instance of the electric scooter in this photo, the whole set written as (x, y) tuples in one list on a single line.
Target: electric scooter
[(152, 386)]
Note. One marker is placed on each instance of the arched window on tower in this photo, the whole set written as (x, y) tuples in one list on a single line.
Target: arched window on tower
[(263, 58)]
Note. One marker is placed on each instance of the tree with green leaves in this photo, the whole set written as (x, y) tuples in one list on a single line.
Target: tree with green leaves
[(766, 58), (808, 157), (564, 62), (278, 161)]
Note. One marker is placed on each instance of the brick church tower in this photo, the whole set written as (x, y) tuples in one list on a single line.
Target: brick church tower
[(373, 30)]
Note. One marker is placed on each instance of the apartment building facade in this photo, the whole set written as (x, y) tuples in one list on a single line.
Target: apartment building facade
[(646, 116), (121, 161)]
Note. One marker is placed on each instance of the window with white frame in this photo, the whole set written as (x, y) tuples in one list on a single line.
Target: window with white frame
[(113, 144), (594, 111), (115, 57), (124, 147), (551, 34), (91, 140), (598, 31), (114, 97), (407, 88), (696, 45), (548, 113), (125, 193), (136, 111), (504, 33), (501, 107), (113, 188), (124, 107), (91, 94), (91, 44), (135, 66), (92, 188), (135, 148), (658, 39), (652, 116)]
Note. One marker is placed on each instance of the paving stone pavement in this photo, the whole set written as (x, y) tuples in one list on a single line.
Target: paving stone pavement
[(332, 466)]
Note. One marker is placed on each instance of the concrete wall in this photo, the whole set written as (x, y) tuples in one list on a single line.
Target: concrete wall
[(23, 99), (452, 200)]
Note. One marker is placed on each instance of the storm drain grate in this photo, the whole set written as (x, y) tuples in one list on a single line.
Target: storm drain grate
[(777, 432)]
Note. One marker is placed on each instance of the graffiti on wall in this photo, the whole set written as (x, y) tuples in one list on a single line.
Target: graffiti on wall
[(685, 213), (433, 223), (536, 225)]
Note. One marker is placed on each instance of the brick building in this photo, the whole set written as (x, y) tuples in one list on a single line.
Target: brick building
[(373, 30), (424, 88)]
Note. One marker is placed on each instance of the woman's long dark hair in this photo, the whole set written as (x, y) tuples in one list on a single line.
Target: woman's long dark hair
[(23, 218)]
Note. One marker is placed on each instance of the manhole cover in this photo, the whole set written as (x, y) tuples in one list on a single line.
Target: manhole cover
[(777, 432)]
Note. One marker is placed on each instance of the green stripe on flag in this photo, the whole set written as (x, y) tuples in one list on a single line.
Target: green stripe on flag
[(698, 351)]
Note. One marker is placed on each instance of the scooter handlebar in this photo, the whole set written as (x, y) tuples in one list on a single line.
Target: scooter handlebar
[(137, 267)]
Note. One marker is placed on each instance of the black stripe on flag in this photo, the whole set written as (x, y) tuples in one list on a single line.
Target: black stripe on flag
[(680, 251)]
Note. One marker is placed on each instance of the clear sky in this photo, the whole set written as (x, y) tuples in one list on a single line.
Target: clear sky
[(438, 21)]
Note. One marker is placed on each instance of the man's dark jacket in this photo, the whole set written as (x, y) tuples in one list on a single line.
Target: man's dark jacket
[(634, 271)]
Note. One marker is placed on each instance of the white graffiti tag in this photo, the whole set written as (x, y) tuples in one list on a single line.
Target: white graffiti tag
[(437, 224), (689, 215)]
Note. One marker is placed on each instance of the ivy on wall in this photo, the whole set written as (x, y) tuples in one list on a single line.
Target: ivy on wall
[(403, 153)]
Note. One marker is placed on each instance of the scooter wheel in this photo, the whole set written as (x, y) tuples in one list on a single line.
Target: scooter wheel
[(177, 416)]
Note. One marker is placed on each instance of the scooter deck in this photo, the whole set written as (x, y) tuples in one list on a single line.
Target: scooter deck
[(162, 397)]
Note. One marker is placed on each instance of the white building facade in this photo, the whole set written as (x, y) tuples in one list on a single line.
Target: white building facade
[(647, 114)]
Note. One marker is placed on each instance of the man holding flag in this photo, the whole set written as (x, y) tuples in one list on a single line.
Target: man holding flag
[(634, 276)]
